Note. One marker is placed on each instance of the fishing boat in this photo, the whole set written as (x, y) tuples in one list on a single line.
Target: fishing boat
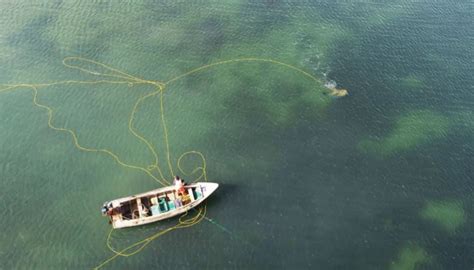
[(156, 205)]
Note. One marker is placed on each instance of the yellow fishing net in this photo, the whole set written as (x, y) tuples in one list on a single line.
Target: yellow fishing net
[(105, 74)]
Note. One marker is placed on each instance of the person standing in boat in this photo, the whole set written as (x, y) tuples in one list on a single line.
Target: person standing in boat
[(179, 185)]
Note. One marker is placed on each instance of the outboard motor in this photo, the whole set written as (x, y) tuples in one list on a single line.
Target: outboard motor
[(104, 209)]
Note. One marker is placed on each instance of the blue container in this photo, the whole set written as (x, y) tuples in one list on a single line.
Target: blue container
[(163, 205), (198, 195), (155, 210), (171, 205)]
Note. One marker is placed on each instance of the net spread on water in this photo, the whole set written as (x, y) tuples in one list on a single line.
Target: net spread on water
[(110, 75)]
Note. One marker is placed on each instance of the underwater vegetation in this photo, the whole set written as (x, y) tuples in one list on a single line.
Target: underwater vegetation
[(257, 124), (448, 215), (410, 258), (410, 130), (412, 82)]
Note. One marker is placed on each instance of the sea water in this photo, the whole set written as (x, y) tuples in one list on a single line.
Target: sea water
[(379, 179)]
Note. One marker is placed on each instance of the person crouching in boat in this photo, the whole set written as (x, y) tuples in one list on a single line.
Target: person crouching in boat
[(179, 185)]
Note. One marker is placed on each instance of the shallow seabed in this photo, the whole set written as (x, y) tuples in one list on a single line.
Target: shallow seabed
[(380, 179)]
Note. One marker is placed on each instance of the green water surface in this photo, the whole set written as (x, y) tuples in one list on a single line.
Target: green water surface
[(380, 179)]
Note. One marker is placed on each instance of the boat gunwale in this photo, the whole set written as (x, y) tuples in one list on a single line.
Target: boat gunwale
[(124, 223), (154, 192)]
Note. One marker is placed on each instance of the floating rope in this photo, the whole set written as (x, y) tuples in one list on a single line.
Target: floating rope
[(110, 75)]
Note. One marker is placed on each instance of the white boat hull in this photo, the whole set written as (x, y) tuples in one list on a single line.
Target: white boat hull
[(118, 220)]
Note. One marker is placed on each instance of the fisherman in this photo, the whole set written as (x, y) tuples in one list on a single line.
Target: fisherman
[(179, 185)]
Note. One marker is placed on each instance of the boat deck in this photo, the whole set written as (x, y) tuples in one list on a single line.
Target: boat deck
[(158, 204)]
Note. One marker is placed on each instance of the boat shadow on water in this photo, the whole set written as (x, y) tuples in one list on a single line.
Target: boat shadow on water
[(224, 192)]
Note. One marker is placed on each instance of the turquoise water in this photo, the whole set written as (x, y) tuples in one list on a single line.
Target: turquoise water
[(380, 179)]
